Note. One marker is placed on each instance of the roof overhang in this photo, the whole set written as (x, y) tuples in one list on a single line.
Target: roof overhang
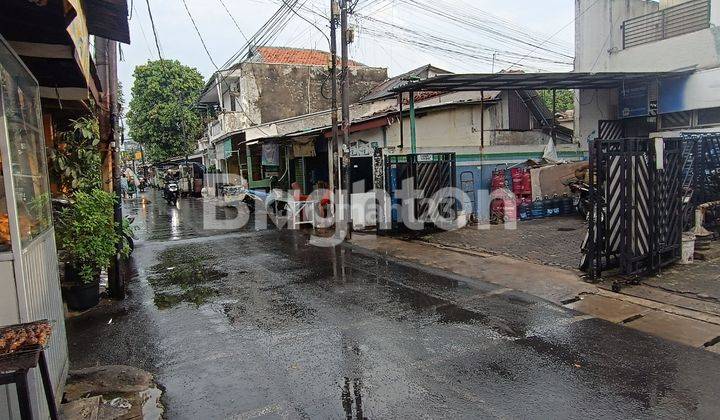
[(52, 39), (108, 19), (533, 81)]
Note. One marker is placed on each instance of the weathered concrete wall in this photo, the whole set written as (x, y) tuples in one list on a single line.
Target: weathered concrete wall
[(275, 92), (460, 127)]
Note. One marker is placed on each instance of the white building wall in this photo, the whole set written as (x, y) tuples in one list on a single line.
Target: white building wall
[(449, 127), (599, 48)]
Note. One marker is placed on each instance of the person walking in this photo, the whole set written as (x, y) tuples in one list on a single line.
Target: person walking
[(124, 186)]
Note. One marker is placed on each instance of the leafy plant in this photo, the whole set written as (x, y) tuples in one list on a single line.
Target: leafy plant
[(88, 234), (76, 160)]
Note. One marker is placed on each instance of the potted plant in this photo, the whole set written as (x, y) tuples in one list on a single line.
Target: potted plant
[(88, 237)]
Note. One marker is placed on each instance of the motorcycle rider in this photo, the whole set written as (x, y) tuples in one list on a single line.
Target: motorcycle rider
[(171, 178)]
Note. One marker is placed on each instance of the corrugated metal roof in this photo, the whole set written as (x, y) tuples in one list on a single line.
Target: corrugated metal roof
[(384, 90), (530, 81)]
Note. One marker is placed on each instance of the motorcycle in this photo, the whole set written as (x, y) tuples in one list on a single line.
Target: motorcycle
[(171, 192), (143, 185), (582, 191)]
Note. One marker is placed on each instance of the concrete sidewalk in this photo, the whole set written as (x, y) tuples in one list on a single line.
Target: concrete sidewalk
[(560, 286)]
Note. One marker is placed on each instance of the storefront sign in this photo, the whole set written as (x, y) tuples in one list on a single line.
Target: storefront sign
[(271, 154), (424, 158), (634, 101), (77, 29), (227, 148), (361, 149)]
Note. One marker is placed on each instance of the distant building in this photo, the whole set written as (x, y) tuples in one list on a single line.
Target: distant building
[(484, 130), (273, 84)]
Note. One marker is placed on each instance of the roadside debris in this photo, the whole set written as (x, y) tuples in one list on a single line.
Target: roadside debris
[(111, 392)]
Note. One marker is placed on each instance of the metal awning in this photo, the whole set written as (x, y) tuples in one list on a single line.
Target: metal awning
[(108, 19), (532, 81)]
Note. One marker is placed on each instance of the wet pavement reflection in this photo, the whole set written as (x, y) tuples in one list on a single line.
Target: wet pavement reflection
[(259, 324)]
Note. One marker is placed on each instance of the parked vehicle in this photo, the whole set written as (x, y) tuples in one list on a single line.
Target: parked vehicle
[(192, 177), (582, 192)]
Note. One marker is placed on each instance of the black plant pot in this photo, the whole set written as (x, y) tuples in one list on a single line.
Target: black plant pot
[(80, 296)]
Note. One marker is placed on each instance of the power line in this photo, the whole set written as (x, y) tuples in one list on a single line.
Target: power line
[(233, 19), (563, 28), (308, 21), (152, 23), (142, 30), (202, 41)]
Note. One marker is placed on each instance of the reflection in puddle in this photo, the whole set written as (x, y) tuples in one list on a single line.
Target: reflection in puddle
[(174, 224), (184, 274), (352, 396)]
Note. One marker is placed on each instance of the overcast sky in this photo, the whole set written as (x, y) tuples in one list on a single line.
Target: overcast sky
[(549, 20)]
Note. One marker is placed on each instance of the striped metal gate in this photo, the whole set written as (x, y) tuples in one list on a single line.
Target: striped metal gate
[(427, 174), (636, 222)]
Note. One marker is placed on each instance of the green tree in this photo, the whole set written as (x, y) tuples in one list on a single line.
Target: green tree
[(162, 114), (564, 99)]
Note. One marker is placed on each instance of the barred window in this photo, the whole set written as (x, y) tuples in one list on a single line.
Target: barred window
[(709, 116), (676, 119)]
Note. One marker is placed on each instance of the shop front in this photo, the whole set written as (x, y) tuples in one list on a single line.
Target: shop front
[(28, 260)]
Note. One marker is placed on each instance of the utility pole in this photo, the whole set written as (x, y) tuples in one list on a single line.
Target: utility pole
[(106, 56), (345, 95), (335, 147)]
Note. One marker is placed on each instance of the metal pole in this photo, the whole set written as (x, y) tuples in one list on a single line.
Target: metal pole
[(482, 120), (413, 133), (402, 128), (142, 157), (107, 50), (554, 111), (345, 95), (334, 10)]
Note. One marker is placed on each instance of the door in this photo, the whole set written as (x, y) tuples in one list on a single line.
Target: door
[(362, 199)]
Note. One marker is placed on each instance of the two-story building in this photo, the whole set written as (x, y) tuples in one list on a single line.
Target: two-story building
[(272, 84), (650, 36)]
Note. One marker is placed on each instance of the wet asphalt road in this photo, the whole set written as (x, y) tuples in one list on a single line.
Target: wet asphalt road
[(258, 324)]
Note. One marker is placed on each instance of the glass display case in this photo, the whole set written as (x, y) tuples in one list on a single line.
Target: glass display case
[(24, 167)]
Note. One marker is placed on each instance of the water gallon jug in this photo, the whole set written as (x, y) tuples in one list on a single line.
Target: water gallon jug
[(525, 209), (538, 209), (556, 204), (567, 205), (548, 206)]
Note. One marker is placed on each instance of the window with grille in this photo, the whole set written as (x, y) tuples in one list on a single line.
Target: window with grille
[(681, 119), (709, 116)]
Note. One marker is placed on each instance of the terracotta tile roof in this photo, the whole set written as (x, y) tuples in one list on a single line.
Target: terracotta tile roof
[(283, 55)]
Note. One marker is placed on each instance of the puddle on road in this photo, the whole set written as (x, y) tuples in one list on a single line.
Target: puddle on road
[(185, 274), (352, 399)]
